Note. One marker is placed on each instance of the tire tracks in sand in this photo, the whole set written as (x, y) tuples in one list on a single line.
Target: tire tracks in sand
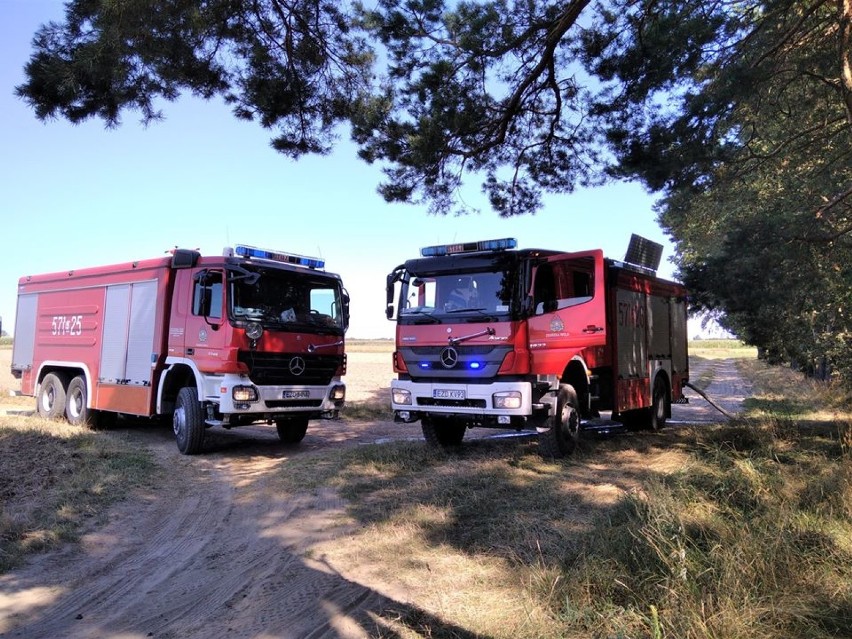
[(215, 554)]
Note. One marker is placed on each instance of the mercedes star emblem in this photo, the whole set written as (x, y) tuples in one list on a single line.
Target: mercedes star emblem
[(297, 366), (449, 357)]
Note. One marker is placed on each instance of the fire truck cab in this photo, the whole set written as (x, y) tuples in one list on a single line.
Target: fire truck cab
[(491, 336)]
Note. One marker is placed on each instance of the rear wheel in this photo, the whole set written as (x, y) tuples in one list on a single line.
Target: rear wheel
[(188, 422), (51, 396), (652, 417), (76, 403), (443, 431), (561, 438), (659, 407), (292, 431)]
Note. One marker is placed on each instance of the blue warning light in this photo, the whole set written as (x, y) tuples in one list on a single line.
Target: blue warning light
[(253, 252)]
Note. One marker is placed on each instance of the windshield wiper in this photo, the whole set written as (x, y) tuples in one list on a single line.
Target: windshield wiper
[(466, 310), (420, 316), (455, 341)]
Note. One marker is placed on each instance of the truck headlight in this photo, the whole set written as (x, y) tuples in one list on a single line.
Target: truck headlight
[(338, 393), (254, 330), (507, 399), (244, 394), (401, 396)]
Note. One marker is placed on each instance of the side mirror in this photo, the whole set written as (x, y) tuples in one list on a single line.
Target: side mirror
[(205, 301), (389, 290), (345, 298)]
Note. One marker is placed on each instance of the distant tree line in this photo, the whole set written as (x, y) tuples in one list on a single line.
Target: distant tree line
[(738, 114)]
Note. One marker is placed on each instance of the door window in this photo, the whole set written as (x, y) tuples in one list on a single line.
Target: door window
[(207, 295), (565, 283)]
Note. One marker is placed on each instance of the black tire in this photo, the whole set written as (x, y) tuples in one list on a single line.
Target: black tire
[(443, 432), (76, 399), (188, 422), (564, 433), (292, 431), (50, 403), (659, 405)]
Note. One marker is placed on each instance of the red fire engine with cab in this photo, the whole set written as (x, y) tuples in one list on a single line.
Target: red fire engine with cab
[(488, 335), (250, 336)]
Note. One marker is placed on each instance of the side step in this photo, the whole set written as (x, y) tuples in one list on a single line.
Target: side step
[(602, 426)]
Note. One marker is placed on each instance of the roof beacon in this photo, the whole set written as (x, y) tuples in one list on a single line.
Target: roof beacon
[(469, 247), (277, 256)]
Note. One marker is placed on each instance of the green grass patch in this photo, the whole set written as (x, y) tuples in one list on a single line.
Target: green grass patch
[(721, 349), (56, 480)]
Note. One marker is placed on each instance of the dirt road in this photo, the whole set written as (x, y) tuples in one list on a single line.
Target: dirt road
[(226, 554), (727, 389)]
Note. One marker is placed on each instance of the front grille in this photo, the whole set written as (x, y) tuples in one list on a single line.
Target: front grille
[(277, 369), (451, 403), (425, 363), (475, 349)]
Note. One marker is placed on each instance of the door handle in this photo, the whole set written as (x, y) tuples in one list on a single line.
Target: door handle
[(591, 328)]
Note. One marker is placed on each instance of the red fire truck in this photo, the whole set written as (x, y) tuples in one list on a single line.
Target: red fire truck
[(488, 335), (250, 336)]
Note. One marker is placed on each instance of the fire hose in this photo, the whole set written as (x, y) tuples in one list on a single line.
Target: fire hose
[(710, 401)]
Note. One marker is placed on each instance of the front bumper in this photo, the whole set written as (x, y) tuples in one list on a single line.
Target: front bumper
[(476, 402), (277, 400)]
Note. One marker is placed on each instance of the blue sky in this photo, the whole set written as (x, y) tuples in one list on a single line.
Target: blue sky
[(81, 195)]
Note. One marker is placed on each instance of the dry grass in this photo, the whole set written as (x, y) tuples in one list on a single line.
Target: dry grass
[(463, 534), (735, 531), (738, 531), (369, 345), (56, 479)]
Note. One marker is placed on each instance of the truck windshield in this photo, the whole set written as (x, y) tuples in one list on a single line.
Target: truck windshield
[(471, 295), (286, 300)]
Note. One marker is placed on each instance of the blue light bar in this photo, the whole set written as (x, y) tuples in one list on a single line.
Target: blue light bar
[(469, 247), (277, 256)]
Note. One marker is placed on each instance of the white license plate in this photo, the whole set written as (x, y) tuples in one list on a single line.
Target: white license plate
[(297, 394), (446, 393)]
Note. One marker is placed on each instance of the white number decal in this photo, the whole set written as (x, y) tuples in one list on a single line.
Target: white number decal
[(67, 325)]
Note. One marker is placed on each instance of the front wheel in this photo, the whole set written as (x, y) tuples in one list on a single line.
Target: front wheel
[(292, 431), (561, 438), (442, 431), (51, 396), (188, 422)]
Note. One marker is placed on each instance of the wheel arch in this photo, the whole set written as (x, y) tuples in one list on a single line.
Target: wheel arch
[(66, 371), (179, 374)]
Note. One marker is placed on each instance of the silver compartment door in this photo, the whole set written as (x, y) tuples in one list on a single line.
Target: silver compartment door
[(23, 346)]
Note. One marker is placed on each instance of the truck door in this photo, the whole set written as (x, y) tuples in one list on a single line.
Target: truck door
[(205, 337), (568, 309)]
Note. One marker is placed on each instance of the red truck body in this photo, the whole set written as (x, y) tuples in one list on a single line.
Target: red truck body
[(250, 336), (548, 341)]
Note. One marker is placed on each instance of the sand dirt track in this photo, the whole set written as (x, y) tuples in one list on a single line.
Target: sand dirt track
[(226, 554)]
